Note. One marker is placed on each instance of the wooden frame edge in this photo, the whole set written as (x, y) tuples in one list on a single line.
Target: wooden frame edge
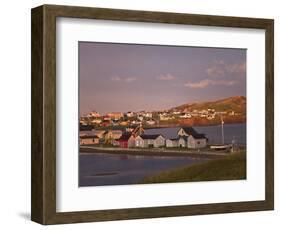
[(37, 204), (269, 110)]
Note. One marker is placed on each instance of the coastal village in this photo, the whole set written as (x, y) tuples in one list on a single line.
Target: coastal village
[(146, 129), (186, 137), (152, 119), (134, 135)]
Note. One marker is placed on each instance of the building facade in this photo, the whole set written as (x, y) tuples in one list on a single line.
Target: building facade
[(89, 140), (193, 139), (150, 141), (127, 140), (196, 143)]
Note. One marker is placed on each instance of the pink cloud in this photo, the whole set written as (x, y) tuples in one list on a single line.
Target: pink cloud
[(165, 77), (123, 79), (236, 68), (219, 69)]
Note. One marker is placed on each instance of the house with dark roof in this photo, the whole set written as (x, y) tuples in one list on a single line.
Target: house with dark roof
[(194, 140), (180, 141), (89, 140), (148, 141), (127, 140), (186, 131), (197, 142), (172, 142)]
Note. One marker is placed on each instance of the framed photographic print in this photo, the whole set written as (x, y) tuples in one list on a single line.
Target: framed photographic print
[(141, 114)]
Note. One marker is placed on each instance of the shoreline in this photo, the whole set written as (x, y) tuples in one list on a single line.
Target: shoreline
[(146, 152), (193, 125), (173, 125)]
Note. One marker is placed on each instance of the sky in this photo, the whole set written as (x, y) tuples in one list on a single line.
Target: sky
[(132, 77)]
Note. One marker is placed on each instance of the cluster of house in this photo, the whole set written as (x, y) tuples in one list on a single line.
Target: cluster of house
[(118, 119), (209, 114), (186, 137), (148, 118)]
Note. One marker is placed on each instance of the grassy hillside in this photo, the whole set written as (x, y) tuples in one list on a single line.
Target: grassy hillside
[(237, 104), (232, 167)]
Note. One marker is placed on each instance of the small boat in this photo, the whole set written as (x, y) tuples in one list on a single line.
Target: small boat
[(220, 147)]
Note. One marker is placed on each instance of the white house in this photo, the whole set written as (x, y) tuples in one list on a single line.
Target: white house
[(140, 117), (185, 115), (148, 114), (197, 142), (164, 117), (94, 114), (115, 115), (151, 122), (130, 114), (180, 141), (172, 142), (194, 140), (145, 141), (176, 112)]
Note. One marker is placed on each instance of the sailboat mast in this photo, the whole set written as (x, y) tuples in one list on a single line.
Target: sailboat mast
[(222, 131)]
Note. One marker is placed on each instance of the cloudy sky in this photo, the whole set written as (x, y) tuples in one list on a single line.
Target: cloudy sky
[(128, 77)]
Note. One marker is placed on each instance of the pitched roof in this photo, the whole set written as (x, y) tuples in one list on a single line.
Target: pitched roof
[(153, 137), (191, 131), (173, 139), (118, 128), (199, 136), (85, 127), (178, 138), (168, 133), (125, 136)]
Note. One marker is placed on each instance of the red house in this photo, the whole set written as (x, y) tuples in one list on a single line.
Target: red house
[(127, 140), (105, 123)]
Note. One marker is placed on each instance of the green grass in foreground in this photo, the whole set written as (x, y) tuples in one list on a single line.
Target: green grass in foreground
[(232, 167)]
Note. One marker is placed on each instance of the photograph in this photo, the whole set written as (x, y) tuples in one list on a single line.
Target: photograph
[(161, 113)]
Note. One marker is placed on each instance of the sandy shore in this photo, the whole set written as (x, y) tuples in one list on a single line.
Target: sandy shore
[(153, 152)]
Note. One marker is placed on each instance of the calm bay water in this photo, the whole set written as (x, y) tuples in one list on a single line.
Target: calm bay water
[(112, 169), (231, 131)]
